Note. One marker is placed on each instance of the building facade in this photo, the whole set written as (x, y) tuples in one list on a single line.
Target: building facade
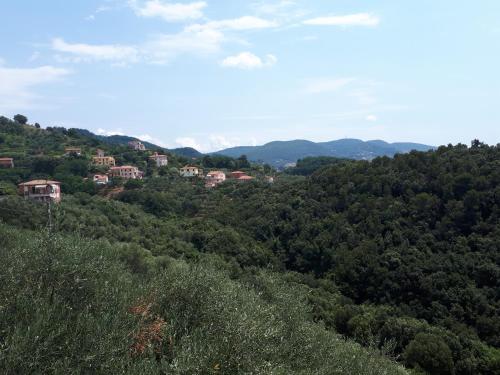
[(72, 151), (100, 179), (160, 160), (6, 163), (41, 190), (126, 172), (137, 145), (190, 171), (214, 178), (108, 161)]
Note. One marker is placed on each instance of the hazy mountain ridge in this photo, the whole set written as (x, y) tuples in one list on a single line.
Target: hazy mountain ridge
[(280, 153)]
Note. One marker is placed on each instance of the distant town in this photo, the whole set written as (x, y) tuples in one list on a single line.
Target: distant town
[(43, 190)]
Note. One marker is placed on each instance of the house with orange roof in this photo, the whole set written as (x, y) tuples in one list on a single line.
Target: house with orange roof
[(100, 179), (214, 178)]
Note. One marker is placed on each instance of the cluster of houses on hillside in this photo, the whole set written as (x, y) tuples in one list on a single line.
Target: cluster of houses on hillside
[(214, 178), (50, 191)]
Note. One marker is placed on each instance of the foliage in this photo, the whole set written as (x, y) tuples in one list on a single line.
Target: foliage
[(69, 306), (399, 254)]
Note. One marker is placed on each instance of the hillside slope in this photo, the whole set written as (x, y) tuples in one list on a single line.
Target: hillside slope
[(399, 254), (123, 141)]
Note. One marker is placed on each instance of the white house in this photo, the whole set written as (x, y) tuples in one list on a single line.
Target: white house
[(190, 171), (127, 172), (137, 145), (160, 160)]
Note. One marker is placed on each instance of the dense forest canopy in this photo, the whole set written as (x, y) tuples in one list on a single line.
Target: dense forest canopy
[(398, 254)]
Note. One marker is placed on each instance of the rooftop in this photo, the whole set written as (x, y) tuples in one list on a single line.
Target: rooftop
[(40, 182), (123, 166)]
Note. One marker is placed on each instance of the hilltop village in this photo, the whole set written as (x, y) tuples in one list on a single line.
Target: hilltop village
[(113, 169)]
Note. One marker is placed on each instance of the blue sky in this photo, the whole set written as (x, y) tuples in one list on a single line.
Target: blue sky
[(218, 73)]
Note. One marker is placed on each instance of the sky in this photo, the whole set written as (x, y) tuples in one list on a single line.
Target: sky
[(213, 74)]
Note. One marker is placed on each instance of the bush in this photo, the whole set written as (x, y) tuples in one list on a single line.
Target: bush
[(429, 353)]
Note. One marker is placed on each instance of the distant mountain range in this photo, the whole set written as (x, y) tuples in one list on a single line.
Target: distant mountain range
[(281, 153), (123, 140)]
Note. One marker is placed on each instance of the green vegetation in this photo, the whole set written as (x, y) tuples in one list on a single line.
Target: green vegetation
[(400, 255), (71, 306)]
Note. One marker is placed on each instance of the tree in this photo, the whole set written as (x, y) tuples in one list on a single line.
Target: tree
[(242, 162), (21, 119), (430, 353)]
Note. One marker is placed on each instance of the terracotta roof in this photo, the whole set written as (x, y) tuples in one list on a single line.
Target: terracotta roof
[(8, 159), (215, 172), (123, 166), (245, 178), (40, 182)]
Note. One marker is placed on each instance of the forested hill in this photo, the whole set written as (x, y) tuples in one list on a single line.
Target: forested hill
[(122, 140), (399, 255), (281, 153)]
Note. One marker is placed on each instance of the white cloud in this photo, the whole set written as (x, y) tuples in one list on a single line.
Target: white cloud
[(371, 118), (359, 19), (159, 49), (171, 12), (320, 86), (188, 142), (240, 24), (104, 8), (219, 142), (247, 60), (210, 143), (164, 47), (81, 52), (109, 133), (17, 85)]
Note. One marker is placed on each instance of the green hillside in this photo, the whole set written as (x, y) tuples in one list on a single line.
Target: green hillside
[(349, 270)]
